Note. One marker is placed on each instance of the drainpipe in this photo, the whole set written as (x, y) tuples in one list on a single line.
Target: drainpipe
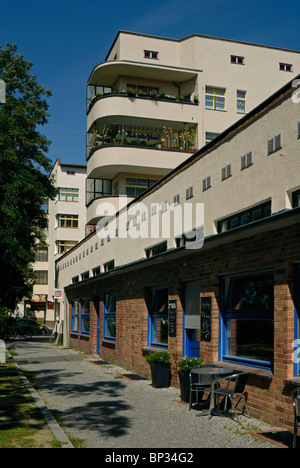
[(178, 87)]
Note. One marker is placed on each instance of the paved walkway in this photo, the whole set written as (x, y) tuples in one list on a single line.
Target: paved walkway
[(109, 407)]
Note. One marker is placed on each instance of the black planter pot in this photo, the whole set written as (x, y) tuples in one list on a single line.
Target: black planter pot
[(184, 380), (160, 374)]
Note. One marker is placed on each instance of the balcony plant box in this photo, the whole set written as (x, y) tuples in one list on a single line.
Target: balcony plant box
[(185, 366), (160, 369)]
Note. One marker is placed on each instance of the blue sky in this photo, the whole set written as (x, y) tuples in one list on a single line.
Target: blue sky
[(65, 39)]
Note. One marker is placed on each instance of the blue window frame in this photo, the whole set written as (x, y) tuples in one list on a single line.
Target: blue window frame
[(247, 319), (110, 316), (296, 354), (85, 316), (75, 316), (158, 317)]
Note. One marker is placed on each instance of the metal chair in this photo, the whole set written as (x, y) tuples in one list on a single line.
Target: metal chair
[(237, 389), (296, 406), (203, 382)]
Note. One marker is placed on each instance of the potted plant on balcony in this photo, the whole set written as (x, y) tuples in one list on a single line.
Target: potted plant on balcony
[(118, 139), (185, 366), (160, 368), (130, 92)]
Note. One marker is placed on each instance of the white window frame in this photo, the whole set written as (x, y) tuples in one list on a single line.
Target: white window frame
[(275, 143)]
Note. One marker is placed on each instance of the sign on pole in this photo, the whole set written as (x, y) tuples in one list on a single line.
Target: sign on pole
[(57, 293)]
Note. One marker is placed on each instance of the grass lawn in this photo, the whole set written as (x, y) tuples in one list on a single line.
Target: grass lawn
[(21, 422)]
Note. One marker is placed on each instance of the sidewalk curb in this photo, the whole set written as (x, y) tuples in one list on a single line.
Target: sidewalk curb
[(52, 423)]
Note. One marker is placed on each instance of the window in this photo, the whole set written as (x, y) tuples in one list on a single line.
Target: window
[(75, 316), (248, 314), (85, 275), (151, 54), (45, 206), (156, 250), (64, 246), (136, 186), (68, 194), (226, 172), (247, 160), (110, 316), (109, 266), (97, 188), (298, 130), (215, 98), (245, 217), (41, 255), (154, 209), (241, 102), (206, 183), (158, 316), (210, 137), (275, 143), (176, 199), (67, 221), (143, 89), (75, 280), (189, 193), (296, 199), (96, 271), (285, 67), (164, 206), (237, 59), (41, 276), (85, 316)]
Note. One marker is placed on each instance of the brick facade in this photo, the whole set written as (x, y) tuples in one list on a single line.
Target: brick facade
[(278, 249)]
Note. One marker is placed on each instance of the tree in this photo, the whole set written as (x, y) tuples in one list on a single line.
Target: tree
[(24, 175)]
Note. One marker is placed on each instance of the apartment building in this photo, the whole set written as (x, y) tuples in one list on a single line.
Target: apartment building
[(67, 219), (155, 100), (244, 269), (66, 227)]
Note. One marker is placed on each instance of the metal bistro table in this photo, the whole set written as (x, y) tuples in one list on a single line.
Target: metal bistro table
[(213, 372)]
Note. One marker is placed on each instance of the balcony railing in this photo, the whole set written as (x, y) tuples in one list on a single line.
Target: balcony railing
[(164, 138), (94, 93)]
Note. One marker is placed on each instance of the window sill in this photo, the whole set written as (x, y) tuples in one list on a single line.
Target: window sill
[(251, 370), (292, 380), (108, 344), (216, 110), (153, 349)]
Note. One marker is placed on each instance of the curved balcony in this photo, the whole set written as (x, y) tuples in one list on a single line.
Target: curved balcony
[(106, 72), (108, 160), (143, 110)]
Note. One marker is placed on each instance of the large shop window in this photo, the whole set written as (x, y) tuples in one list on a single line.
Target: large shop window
[(110, 316), (75, 316), (158, 317), (85, 316), (248, 320)]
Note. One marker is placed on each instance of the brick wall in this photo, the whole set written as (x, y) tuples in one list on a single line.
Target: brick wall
[(268, 393)]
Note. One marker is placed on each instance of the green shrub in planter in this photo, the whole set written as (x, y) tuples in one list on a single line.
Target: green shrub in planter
[(160, 356), (188, 363), (160, 368), (185, 365)]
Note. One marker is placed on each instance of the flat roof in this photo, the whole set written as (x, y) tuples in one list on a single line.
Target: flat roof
[(200, 36)]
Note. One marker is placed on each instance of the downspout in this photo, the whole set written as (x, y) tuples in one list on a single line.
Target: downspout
[(178, 87)]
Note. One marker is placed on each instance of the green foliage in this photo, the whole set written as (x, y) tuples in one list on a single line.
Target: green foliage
[(24, 169), (162, 357), (4, 319), (188, 363)]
